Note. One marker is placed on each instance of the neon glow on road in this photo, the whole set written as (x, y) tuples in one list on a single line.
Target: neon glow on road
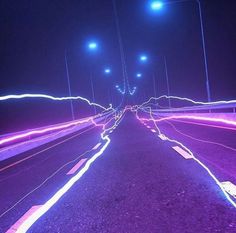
[(189, 152), (199, 118), (56, 197), (45, 130)]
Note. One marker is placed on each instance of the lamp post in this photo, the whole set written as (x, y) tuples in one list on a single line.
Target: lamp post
[(92, 46), (69, 85), (158, 5), (107, 72), (141, 58), (167, 81)]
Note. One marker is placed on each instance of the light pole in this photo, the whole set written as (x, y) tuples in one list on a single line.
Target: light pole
[(69, 85), (107, 72), (166, 74), (92, 46), (158, 5), (167, 81)]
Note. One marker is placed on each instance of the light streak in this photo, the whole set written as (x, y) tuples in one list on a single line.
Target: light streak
[(190, 100), (22, 96), (41, 151), (201, 140), (53, 200), (199, 118), (45, 130), (56, 197), (191, 153), (205, 124), (229, 188)]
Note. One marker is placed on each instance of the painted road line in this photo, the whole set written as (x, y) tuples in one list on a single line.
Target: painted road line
[(153, 130), (15, 227), (99, 144), (148, 127), (182, 152), (76, 167), (229, 188), (39, 152)]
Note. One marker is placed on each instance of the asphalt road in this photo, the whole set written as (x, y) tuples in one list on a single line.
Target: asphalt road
[(32, 181), (215, 146), (139, 184)]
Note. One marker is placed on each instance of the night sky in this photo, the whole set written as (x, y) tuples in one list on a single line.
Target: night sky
[(35, 34)]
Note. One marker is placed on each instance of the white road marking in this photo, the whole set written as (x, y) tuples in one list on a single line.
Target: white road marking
[(182, 152), (15, 227), (153, 130), (76, 167), (95, 147)]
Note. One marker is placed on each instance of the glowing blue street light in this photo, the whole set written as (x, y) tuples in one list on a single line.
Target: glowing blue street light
[(156, 5), (138, 75), (143, 58), (107, 71), (92, 45)]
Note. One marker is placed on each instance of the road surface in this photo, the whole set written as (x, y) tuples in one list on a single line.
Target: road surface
[(139, 184)]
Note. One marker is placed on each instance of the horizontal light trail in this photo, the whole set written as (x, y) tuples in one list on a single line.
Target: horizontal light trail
[(204, 124), (41, 151), (229, 188), (37, 140), (189, 100), (22, 96), (190, 152), (56, 197), (201, 140), (198, 118), (44, 130)]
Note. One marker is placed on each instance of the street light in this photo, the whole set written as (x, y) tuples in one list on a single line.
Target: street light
[(143, 58), (107, 71), (69, 85), (139, 75), (92, 46), (157, 5), (167, 80)]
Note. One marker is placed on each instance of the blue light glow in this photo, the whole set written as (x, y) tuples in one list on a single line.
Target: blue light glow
[(143, 58), (92, 45), (138, 75), (156, 5), (107, 71)]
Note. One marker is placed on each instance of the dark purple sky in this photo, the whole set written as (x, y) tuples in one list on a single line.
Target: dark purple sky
[(34, 35)]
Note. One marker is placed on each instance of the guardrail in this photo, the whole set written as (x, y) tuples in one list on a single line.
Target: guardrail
[(202, 109)]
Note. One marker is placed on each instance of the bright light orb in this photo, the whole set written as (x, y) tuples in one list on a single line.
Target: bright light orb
[(92, 45), (138, 75), (143, 58), (156, 5), (107, 71)]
